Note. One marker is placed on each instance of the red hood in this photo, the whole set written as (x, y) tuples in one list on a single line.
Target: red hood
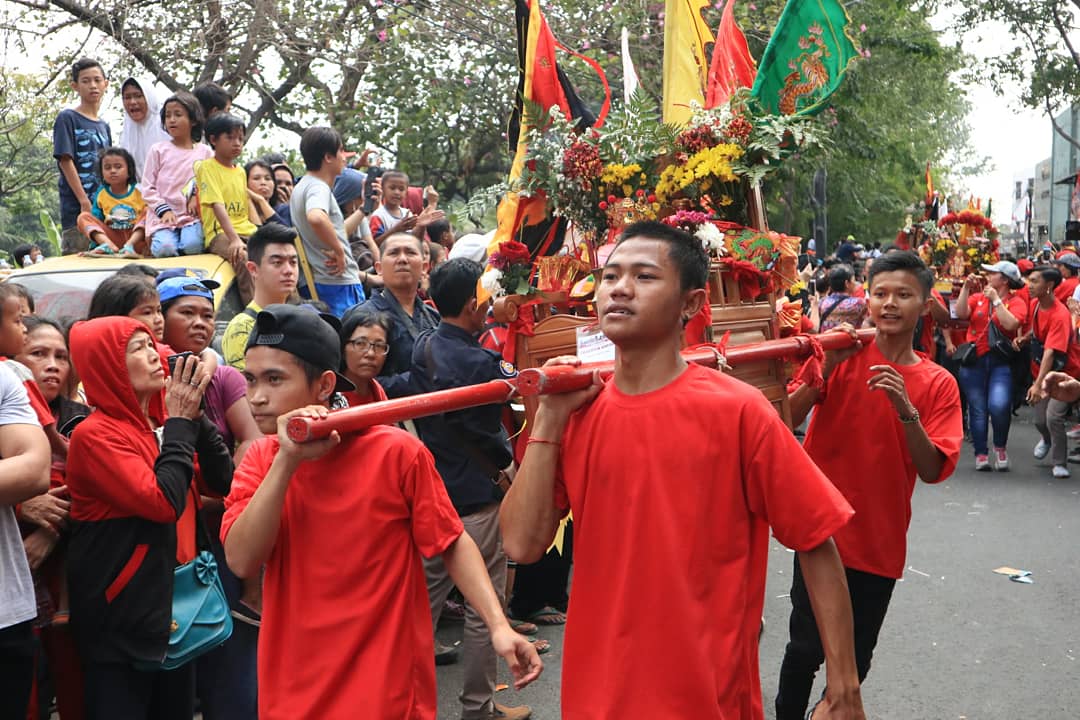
[(99, 353)]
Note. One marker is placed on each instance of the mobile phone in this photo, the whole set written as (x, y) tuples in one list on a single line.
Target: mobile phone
[(374, 172), (173, 359)]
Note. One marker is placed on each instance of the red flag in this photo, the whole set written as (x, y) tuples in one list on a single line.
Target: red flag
[(732, 65)]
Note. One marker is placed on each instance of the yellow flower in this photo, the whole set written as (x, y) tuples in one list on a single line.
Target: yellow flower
[(618, 174)]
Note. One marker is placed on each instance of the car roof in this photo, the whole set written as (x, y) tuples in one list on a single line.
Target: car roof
[(205, 266)]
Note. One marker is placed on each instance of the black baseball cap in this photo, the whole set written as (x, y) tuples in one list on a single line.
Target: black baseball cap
[(305, 333)]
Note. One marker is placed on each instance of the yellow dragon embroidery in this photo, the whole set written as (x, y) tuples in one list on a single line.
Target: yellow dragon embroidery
[(809, 73)]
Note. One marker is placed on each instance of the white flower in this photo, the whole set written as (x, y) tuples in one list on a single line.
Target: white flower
[(491, 281), (711, 239)]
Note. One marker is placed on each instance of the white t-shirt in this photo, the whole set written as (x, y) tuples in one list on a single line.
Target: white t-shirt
[(17, 602)]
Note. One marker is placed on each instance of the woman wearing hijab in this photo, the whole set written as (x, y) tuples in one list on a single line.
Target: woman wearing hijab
[(142, 121)]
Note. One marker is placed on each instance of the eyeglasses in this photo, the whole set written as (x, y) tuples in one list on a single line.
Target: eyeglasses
[(362, 345)]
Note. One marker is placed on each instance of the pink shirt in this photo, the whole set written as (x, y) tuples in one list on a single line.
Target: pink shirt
[(167, 172)]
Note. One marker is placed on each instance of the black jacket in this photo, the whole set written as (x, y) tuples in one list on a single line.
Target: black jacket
[(470, 445)]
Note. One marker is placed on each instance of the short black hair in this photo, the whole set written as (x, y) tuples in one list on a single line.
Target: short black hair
[(436, 229), (117, 151), (84, 63), (359, 316), (839, 276), (222, 124), (33, 322), (453, 284), (192, 107), (211, 96), (906, 261), (138, 270), (271, 233), (1049, 274), (685, 251), (24, 292), (318, 142), (20, 251), (390, 236), (390, 174), (120, 294)]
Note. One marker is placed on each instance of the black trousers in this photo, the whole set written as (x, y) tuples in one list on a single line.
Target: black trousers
[(544, 582), (870, 595), (116, 691), (16, 670)]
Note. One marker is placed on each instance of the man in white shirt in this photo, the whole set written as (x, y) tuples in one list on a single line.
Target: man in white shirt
[(24, 473)]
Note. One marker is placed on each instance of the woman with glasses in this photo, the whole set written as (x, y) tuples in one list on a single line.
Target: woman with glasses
[(364, 347)]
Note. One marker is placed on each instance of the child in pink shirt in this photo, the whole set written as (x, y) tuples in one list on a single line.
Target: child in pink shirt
[(168, 177)]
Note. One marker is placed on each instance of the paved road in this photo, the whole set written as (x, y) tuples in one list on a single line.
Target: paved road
[(960, 642)]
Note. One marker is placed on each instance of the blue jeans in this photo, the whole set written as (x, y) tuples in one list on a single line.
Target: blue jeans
[(987, 385), (170, 242)]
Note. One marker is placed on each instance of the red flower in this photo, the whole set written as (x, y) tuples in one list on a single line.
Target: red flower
[(515, 252)]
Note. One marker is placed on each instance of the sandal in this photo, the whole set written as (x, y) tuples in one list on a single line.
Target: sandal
[(523, 627), (542, 646), (547, 615)]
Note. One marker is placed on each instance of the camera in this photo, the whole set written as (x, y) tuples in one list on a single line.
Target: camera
[(173, 359), (374, 172)]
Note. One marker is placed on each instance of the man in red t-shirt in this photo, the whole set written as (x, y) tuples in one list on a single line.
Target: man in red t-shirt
[(1068, 264), (340, 524), (914, 406), (1053, 347), (675, 475)]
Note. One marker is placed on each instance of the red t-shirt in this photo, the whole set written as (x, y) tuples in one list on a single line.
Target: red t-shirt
[(377, 395), (1065, 289), (346, 625), (858, 441), (980, 309), (673, 493), (1054, 329)]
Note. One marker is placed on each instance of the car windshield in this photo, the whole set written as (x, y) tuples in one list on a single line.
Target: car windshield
[(63, 296)]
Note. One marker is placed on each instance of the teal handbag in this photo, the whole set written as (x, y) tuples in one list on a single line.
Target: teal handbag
[(200, 610)]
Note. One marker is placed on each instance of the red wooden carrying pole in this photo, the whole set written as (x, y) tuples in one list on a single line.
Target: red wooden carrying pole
[(539, 381), (400, 409), (544, 381)]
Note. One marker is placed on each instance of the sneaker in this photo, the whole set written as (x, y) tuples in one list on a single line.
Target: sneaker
[(1041, 450), (1060, 471), (982, 463), (1074, 432), (502, 712), (1001, 459)]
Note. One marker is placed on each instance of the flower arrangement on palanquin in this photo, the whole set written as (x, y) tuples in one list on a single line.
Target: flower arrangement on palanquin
[(704, 177), (962, 243)]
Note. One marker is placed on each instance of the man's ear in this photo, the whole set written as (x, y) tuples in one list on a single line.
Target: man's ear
[(693, 302), (327, 382)]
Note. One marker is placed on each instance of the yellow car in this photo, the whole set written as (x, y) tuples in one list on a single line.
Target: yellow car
[(62, 286)]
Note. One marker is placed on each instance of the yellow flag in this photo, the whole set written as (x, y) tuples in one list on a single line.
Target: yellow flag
[(686, 67)]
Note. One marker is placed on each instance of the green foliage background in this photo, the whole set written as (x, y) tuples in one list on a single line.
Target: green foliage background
[(430, 83)]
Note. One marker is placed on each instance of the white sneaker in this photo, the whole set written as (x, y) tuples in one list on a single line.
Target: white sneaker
[(1041, 449), (1001, 459), (1060, 471)]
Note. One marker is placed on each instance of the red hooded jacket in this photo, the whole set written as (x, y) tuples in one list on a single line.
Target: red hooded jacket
[(127, 495)]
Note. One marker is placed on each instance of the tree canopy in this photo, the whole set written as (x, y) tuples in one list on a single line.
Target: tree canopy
[(430, 82)]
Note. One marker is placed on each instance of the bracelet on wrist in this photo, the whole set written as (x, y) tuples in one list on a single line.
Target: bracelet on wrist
[(542, 441), (910, 419)]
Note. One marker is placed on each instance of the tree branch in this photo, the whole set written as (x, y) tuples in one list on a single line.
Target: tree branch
[(103, 23)]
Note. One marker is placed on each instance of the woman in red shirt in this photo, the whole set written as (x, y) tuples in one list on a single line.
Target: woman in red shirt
[(987, 384), (364, 346)]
